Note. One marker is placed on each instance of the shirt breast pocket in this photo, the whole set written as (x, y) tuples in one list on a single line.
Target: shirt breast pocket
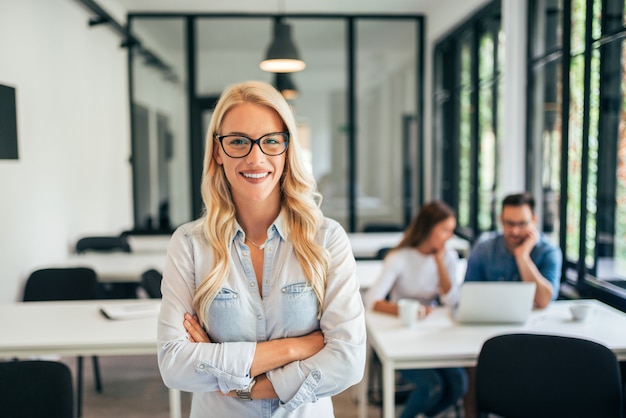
[(299, 308), (225, 315)]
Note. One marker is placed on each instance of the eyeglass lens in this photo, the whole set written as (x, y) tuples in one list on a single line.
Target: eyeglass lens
[(238, 146)]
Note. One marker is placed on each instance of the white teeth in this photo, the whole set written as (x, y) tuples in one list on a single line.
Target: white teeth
[(255, 175)]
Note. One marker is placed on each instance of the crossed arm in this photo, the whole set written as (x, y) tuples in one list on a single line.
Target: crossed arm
[(268, 355)]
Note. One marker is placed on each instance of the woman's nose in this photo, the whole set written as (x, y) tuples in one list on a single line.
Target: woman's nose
[(255, 154)]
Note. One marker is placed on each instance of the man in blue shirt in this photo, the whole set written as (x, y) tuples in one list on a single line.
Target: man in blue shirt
[(519, 252)]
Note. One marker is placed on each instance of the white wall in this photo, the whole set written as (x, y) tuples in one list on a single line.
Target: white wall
[(72, 176)]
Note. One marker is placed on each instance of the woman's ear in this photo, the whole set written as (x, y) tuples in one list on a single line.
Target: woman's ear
[(216, 153)]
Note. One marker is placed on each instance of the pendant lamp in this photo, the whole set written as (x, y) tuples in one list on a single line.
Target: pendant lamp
[(286, 86), (282, 55)]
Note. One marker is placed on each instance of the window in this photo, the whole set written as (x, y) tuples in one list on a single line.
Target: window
[(468, 72), (578, 80)]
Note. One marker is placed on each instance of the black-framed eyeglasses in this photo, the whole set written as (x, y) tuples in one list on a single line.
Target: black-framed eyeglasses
[(238, 146), (512, 224)]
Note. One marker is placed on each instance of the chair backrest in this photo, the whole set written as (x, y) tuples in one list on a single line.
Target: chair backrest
[(110, 244), (36, 388), (72, 283), (382, 227), (382, 253), (529, 375), (151, 282)]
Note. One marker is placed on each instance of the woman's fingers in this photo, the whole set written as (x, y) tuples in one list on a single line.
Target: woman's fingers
[(195, 330)]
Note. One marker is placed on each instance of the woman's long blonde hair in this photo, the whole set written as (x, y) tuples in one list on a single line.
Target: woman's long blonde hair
[(299, 199)]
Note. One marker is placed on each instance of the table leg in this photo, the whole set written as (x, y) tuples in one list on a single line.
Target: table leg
[(364, 387), (79, 386), (389, 383), (175, 404)]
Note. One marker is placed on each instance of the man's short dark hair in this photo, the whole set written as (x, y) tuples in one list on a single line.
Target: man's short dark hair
[(519, 199)]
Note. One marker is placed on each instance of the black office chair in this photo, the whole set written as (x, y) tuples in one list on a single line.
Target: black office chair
[(382, 253), (35, 389), (529, 375), (75, 283), (382, 227), (103, 243), (151, 283)]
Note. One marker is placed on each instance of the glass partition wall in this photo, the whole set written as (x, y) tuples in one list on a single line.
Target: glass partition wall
[(357, 109)]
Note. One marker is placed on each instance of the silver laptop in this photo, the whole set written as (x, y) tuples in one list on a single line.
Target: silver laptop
[(495, 302)]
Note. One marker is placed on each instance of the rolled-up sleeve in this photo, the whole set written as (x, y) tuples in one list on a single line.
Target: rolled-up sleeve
[(187, 366), (392, 268), (340, 364), (550, 265)]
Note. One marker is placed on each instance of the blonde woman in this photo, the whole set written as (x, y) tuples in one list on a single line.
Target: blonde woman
[(261, 313)]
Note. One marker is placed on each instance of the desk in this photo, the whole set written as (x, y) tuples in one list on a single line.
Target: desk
[(76, 328), (367, 271), (438, 341), (149, 243), (367, 244), (116, 267)]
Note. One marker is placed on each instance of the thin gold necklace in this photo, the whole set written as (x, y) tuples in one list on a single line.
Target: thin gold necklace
[(260, 247)]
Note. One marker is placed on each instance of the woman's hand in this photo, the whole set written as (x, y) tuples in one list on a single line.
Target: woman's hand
[(195, 330)]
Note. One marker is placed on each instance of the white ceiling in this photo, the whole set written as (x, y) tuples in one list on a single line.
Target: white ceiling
[(277, 6)]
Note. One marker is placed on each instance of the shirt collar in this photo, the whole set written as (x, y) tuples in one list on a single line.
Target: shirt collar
[(277, 227)]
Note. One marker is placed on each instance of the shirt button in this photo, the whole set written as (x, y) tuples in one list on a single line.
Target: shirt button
[(251, 284), (259, 317), (316, 375), (235, 296), (202, 367), (284, 289)]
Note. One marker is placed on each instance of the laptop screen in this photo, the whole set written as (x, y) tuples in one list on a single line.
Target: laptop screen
[(495, 302)]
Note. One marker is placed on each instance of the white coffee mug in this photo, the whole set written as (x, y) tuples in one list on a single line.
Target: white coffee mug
[(408, 310), (581, 311)]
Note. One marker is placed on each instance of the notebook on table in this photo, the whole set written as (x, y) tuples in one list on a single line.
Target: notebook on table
[(495, 302)]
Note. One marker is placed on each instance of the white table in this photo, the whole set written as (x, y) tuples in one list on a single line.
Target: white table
[(116, 267), (367, 244), (367, 271), (77, 328), (438, 341), (149, 243)]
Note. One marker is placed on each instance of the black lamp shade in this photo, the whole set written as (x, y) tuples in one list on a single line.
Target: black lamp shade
[(282, 55), (286, 86)]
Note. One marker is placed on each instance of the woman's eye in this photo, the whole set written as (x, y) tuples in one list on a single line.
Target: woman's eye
[(238, 141)]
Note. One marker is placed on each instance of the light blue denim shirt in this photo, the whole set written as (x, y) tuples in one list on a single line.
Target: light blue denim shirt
[(490, 261), (239, 318)]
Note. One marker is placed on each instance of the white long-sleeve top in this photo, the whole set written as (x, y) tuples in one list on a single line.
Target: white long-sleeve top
[(239, 317), (407, 273)]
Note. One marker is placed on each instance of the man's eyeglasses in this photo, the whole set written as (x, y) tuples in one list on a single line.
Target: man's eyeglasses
[(511, 224), (238, 146)]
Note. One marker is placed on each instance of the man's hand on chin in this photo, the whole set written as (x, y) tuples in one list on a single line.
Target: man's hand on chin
[(527, 245)]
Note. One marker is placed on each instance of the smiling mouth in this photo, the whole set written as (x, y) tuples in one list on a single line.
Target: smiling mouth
[(255, 175)]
